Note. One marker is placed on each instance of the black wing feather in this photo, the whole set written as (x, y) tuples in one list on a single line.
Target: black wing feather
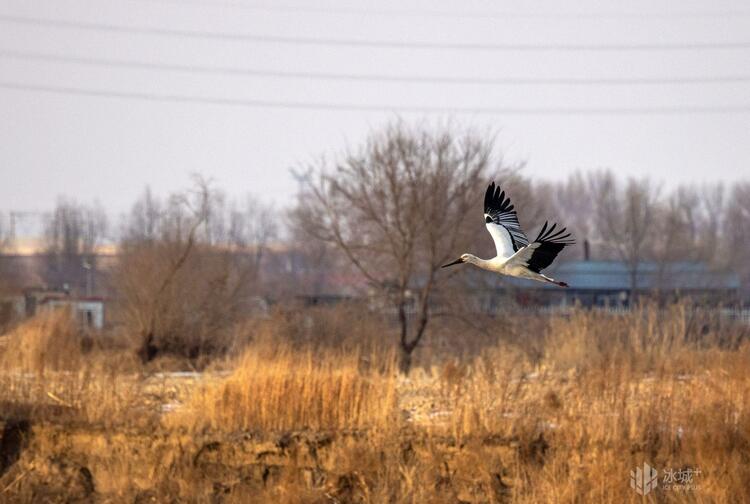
[(550, 244), (498, 209)]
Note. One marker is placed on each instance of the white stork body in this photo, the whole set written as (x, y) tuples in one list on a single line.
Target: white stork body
[(516, 257)]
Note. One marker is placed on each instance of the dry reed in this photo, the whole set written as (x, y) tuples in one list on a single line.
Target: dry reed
[(562, 417), (280, 389)]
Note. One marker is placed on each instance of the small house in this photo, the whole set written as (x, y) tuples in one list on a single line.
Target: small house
[(87, 311)]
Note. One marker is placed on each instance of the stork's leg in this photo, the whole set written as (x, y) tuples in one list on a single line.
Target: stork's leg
[(533, 275), (545, 278)]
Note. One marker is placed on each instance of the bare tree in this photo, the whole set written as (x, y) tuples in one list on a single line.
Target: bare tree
[(71, 236), (689, 224), (251, 226), (185, 268), (624, 218), (573, 203), (397, 209), (305, 267), (711, 226), (676, 224), (143, 222), (737, 229)]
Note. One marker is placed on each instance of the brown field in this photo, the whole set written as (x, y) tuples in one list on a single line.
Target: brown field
[(311, 409)]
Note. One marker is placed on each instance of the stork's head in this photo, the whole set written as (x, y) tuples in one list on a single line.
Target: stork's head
[(464, 258)]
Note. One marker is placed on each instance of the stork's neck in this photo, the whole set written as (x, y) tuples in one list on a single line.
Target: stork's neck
[(480, 263)]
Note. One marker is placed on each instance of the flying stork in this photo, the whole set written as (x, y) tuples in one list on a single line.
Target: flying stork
[(515, 255)]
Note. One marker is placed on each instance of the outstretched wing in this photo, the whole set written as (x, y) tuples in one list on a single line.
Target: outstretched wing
[(502, 222), (542, 251)]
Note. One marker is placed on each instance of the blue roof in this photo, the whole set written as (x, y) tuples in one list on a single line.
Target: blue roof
[(615, 275)]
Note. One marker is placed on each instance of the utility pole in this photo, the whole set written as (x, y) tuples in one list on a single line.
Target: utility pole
[(89, 280), (12, 231)]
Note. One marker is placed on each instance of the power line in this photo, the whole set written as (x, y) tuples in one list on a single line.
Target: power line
[(234, 71), (455, 14), (365, 43), (169, 98)]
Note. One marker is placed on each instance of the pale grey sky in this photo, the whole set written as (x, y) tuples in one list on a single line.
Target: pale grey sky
[(109, 148)]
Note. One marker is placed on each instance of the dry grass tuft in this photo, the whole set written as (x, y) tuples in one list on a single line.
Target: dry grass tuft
[(279, 389), (53, 370), (50, 341)]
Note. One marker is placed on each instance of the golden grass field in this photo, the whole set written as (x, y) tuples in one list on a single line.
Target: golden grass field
[(312, 409)]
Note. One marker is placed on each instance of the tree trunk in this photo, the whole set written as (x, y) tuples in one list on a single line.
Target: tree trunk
[(148, 350), (404, 362), (407, 347), (633, 285)]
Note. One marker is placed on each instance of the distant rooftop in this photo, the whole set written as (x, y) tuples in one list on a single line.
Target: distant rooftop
[(615, 275)]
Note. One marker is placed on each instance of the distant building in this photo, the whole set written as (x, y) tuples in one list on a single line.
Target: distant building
[(608, 283), (87, 311)]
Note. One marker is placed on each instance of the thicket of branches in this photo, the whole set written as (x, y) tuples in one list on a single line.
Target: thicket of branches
[(188, 268), (72, 234)]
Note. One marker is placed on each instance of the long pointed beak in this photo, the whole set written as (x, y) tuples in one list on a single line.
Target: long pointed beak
[(457, 261)]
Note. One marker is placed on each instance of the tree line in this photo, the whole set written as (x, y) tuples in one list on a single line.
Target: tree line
[(382, 216)]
